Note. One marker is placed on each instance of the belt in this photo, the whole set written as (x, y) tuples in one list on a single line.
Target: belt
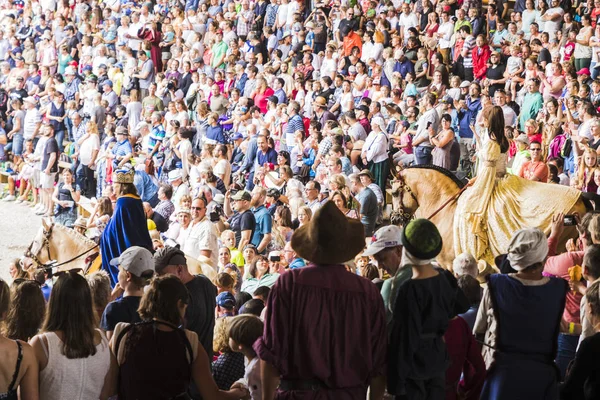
[(287, 385)]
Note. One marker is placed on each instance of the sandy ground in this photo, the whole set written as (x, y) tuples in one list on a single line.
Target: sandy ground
[(18, 226)]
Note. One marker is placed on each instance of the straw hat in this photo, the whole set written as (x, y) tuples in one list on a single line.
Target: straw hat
[(330, 237)]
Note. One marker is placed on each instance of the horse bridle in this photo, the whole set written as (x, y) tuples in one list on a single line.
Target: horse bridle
[(46, 244), (401, 216)]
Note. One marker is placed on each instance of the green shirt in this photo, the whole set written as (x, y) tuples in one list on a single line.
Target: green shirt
[(390, 287), (251, 284), (532, 104)]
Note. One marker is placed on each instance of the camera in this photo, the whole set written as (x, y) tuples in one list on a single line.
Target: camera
[(569, 220), (215, 214), (275, 258), (170, 86)]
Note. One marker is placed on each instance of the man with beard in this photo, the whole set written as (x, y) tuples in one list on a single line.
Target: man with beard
[(264, 222)]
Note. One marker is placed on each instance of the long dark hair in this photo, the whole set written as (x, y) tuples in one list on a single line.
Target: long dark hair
[(70, 311), (161, 299), (26, 311), (495, 117)]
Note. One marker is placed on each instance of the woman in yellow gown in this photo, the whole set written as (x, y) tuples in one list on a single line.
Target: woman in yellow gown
[(498, 204)]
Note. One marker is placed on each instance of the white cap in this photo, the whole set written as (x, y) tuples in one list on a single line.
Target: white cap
[(135, 260), (388, 236)]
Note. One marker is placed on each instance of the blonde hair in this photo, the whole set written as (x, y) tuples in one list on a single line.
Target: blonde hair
[(585, 173), (221, 335)]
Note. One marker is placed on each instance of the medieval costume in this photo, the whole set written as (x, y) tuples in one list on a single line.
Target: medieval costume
[(519, 321), (498, 204), (126, 228), (337, 357)]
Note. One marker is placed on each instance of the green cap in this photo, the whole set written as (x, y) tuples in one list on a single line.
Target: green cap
[(422, 239)]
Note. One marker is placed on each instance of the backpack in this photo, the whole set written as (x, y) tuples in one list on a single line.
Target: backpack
[(557, 146)]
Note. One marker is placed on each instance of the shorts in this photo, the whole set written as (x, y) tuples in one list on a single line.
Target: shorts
[(35, 178), (165, 55), (17, 146), (47, 180)]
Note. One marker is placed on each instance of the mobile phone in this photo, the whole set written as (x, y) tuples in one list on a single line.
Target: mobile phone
[(569, 220), (275, 258), (428, 125)]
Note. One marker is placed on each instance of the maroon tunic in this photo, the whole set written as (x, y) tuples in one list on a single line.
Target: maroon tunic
[(326, 324), (154, 37)]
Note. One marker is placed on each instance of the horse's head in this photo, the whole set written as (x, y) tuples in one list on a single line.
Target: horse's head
[(404, 201), (39, 248)]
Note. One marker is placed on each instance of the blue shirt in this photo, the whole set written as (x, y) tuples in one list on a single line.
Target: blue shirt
[(121, 149), (466, 118), (297, 263), (264, 224), (280, 94), (215, 134), (144, 185), (269, 157), (156, 136)]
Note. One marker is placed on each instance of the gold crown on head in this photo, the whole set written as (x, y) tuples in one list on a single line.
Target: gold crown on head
[(124, 176)]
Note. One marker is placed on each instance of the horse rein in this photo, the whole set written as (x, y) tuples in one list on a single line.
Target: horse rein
[(46, 244), (404, 188)]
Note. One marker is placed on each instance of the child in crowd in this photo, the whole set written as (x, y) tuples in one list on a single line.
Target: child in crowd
[(225, 283), (514, 69), (225, 305), (244, 330), (454, 90), (228, 239), (228, 367)]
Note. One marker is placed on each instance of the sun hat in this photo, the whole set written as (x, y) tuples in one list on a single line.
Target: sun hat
[(135, 260), (330, 237), (523, 139), (174, 175), (421, 238), (80, 222), (320, 101), (527, 247), (386, 237), (368, 173)]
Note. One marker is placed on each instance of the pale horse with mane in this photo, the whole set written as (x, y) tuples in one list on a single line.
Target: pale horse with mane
[(67, 249)]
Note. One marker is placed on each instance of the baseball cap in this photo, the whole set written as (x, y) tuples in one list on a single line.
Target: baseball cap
[(174, 175), (242, 195), (168, 255), (226, 300), (584, 71), (388, 236), (121, 130), (465, 84), (523, 138), (107, 82), (87, 68), (237, 136), (135, 260)]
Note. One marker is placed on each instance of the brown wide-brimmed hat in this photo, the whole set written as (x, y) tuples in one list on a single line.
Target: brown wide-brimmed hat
[(320, 101), (330, 237)]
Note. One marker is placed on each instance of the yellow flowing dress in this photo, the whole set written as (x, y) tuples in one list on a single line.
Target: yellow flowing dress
[(499, 204)]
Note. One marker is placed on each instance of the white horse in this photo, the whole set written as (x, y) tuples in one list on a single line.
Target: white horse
[(67, 249)]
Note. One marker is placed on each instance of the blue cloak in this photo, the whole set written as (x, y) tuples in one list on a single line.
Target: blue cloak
[(126, 228)]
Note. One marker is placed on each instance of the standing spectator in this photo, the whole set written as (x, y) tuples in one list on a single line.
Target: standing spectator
[(368, 204), (202, 239), (526, 297), (532, 103), (331, 374), (242, 221), (19, 368), (136, 266), (73, 356), (261, 237), (200, 311), (49, 169)]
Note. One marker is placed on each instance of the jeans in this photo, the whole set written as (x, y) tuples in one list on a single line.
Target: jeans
[(595, 71), (567, 347), (60, 137), (422, 155)]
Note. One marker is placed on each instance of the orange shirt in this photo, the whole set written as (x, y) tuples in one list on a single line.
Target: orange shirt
[(350, 41), (534, 169)]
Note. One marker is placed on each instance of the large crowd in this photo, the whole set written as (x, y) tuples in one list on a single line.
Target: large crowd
[(257, 142)]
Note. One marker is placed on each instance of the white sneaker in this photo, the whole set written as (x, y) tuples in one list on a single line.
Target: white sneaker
[(10, 197), (38, 208)]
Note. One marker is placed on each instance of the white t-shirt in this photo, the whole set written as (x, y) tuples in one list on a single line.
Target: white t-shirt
[(87, 148), (32, 118), (223, 169)]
